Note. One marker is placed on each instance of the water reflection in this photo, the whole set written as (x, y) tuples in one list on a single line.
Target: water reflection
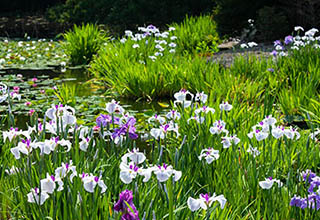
[(89, 92)]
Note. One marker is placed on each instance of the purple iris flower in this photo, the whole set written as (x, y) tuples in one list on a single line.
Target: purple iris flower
[(103, 120), (314, 183), (308, 175), (206, 197), (312, 201), (295, 201), (151, 27), (132, 132), (40, 126), (27, 142), (271, 70), (276, 43), (119, 131), (274, 53), (128, 127), (288, 39), (298, 202), (121, 206)]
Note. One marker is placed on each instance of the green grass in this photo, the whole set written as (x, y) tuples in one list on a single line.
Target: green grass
[(294, 82), (196, 35), (82, 42)]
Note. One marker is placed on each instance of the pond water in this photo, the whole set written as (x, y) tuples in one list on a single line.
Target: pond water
[(74, 86)]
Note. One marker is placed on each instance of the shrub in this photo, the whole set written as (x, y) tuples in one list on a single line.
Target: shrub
[(122, 14), (196, 34), (271, 24), (22, 6), (304, 13), (83, 42), (232, 15)]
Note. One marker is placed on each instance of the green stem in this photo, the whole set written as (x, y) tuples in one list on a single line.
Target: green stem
[(170, 194)]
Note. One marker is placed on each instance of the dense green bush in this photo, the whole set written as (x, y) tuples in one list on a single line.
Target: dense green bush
[(83, 42), (196, 34), (271, 24), (23, 6), (275, 17), (232, 15), (304, 13), (124, 14)]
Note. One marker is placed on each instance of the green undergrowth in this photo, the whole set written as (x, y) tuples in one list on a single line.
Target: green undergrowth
[(293, 80), (196, 35), (82, 42)]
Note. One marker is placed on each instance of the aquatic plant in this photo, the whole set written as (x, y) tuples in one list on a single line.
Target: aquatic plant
[(82, 42)]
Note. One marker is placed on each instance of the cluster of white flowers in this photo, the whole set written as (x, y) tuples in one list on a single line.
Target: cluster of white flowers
[(254, 151), (262, 130), (25, 52), (186, 99), (164, 129), (49, 184), (151, 33), (297, 42), (248, 45), (309, 38), (129, 170), (55, 182), (60, 117), (218, 128)]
